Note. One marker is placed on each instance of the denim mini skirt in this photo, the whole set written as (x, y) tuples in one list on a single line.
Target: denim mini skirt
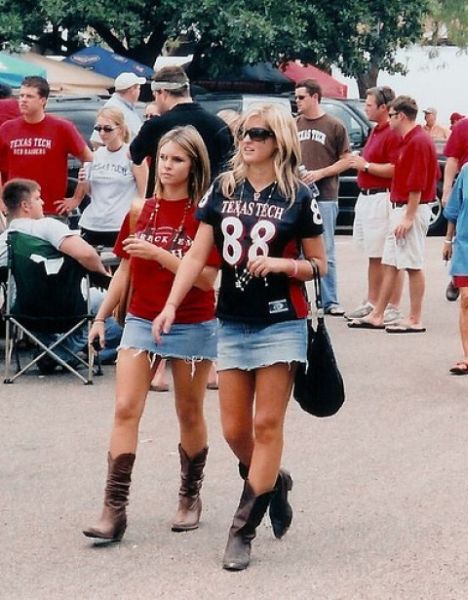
[(250, 346), (192, 341)]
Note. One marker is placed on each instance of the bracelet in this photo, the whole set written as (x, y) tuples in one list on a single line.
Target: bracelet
[(295, 267), (448, 241), (99, 320)]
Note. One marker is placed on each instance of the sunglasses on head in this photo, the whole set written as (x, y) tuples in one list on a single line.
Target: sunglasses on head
[(106, 128), (256, 134)]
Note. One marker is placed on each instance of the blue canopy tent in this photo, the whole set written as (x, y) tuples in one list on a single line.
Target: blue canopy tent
[(13, 70), (108, 63)]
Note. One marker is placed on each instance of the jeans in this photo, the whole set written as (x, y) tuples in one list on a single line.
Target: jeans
[(79, 338), (329, 212)]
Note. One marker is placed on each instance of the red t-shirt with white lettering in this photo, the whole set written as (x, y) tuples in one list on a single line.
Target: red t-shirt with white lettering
[(152, 282), (39, 151), (381, 148), (416, 168)]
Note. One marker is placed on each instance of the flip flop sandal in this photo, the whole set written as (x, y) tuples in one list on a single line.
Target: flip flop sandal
[(362, 324), (460, 368)]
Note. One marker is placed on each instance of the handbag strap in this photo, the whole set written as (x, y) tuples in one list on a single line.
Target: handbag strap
[(318, 291)]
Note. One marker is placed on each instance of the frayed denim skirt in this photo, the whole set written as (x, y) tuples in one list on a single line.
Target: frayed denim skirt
[(249, 346), (192, 341)]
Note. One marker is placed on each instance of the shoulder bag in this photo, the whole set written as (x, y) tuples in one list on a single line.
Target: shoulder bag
[(318, 386)]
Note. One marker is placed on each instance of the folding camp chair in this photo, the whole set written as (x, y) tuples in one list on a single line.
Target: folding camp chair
[(47, 293)]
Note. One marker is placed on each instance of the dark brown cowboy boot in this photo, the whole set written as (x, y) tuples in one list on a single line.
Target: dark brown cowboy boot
[(247, 518), (280, 510), (113, 522), (191, 478)]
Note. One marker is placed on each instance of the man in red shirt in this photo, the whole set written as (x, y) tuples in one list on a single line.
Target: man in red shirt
[(372, 211), (36, 145), (413, 187)]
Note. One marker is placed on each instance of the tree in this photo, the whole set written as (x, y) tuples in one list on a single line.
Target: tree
[(362, 36), (450, 20)]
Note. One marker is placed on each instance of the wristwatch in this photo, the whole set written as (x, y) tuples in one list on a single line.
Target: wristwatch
[(366, 168)]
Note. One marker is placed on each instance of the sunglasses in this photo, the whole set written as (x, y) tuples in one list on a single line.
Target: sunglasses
[(106, 128), (256, 134), (392, 114), (299, 97)]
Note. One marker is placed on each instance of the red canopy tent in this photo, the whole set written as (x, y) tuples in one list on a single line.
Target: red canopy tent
[(330, 86)]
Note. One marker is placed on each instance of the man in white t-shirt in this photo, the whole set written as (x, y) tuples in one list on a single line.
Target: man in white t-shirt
[(127, 91), (22, 198)]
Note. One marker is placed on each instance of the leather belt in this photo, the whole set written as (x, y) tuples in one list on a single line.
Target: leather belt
[(397, 204), (370, 191)]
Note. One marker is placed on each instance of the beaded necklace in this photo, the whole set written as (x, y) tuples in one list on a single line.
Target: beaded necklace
[(149, 233), (243, 278)]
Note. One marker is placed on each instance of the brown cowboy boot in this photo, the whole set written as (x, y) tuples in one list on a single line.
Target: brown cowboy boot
[(247, 518), (191, 478), (280, 510), (113, 522)]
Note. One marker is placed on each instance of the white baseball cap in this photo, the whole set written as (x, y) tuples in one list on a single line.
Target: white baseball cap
[(127, 80)]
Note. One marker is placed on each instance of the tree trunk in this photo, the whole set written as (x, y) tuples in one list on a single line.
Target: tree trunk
[(367, 79)]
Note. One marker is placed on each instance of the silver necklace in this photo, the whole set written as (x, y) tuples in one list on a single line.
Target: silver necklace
[(243, 278)]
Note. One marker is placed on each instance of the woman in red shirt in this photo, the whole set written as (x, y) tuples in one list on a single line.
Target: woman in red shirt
[(164, 232)]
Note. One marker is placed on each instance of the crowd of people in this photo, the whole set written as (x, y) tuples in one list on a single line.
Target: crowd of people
[(251, 196)]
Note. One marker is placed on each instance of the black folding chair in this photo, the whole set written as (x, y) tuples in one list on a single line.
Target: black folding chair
[(47, 293)]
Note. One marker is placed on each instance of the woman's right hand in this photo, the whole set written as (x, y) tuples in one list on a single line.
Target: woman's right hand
[(96, 337), (163, 322)]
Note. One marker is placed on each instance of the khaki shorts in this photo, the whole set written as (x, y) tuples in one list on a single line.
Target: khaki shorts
[(371, 223), (409, 252)]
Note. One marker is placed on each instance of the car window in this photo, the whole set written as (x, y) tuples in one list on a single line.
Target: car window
[(354, 128)]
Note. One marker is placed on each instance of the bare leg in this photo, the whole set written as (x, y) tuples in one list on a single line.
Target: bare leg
[(464, 320), (376, 317), (273, 388), (236, 393), (189, 396), (397, 292), (417, 285), (375, 277), (159, 383), (133, 379)]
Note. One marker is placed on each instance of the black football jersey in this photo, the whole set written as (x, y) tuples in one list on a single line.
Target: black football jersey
[(251, 224)]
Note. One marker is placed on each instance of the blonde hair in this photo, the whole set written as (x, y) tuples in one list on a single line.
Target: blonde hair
[(193, 145), (286, 158), (116, 116)]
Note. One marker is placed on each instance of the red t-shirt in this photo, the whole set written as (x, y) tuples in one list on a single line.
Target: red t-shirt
[(39, 151), (9, 109), (381, 148), (457, 144), (152, 282), (416, 168)]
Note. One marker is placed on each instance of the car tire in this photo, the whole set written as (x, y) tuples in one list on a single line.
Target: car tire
[(437, 223)]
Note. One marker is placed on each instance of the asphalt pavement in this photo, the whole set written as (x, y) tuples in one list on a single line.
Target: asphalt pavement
[(380, 493)]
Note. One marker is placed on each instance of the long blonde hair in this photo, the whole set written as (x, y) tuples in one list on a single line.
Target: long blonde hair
[(116, 116), (286, 158), (193, 145)]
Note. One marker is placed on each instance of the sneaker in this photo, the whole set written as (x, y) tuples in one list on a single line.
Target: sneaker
[(391, 314), (334, 310), (360, 312)]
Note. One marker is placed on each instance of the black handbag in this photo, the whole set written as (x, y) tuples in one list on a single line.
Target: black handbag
[(319, 387)]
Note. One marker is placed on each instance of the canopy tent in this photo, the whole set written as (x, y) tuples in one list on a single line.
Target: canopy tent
[(13, 70), (95, 58), (330, 86), (259, 77), (69, 79)]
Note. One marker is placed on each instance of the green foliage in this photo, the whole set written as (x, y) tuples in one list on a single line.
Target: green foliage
[(361, 36), (451, 15)]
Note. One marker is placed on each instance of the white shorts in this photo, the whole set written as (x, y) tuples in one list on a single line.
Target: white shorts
[(409, 252), (371, 223)]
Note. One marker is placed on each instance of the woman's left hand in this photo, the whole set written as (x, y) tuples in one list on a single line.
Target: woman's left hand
[(140, 248), (263, 265)]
